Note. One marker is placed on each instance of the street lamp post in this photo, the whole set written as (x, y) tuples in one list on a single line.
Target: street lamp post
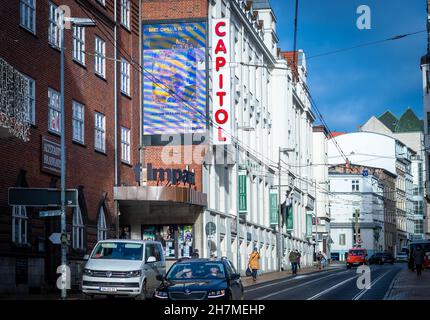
[(80, 22), (280, 251)]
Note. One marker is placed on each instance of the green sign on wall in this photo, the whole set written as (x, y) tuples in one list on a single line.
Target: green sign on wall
[(290, 218), (242, 192), (273, 203)]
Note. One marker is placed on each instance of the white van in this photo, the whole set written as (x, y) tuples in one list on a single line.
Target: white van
[(124, 268)]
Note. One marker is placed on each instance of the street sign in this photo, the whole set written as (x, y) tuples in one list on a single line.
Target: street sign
[(41, 197), (55, 238), (365, 172), (50, 213)]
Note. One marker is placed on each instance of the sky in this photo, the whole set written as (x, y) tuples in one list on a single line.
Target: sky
[(349, 87)]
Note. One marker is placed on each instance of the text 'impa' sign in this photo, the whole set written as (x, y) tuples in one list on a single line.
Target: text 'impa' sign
[(221, 82)]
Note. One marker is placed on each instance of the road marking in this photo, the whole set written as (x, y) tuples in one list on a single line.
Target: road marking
[(298, 286), (331, 288), (284, 281), (362, 292)]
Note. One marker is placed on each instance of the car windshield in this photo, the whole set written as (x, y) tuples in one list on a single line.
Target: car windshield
[(118, 250), (196, 270), (356, 253)]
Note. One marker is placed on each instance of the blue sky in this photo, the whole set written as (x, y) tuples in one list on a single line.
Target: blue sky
[(351, 86)]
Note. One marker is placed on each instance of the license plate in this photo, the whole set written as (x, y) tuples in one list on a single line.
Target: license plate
[(104, 289)]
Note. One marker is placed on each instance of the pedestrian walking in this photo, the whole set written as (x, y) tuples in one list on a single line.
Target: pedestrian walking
[(418, 255), (299, 255), (293, 260), (254, 263), (319, 260)]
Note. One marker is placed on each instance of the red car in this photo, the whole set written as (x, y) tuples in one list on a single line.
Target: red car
[(356, 256)]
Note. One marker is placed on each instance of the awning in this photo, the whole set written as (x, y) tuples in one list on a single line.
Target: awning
[(160, 194)]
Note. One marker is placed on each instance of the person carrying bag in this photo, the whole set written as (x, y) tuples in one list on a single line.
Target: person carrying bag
[(254, 263)]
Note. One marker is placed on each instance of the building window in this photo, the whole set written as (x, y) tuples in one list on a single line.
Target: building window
[(78, 122), (125, 145), (54, 108), (100, 132), (78, 229), (31, 100), (125, 13), (101, 225), (125, 77), (28, 14), (342, 239), (419, 227), (355, 185), (19, 224), (54, 30), (79, 44), (99, 56)]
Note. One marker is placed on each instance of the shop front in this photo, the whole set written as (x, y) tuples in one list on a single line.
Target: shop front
[(169, 214)]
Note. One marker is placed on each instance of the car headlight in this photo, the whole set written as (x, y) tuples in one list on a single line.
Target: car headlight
[(132, 274), (160, 294), (216, 293), (88, 272)]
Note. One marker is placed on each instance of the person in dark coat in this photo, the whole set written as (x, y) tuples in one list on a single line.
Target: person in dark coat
[(419, 259)]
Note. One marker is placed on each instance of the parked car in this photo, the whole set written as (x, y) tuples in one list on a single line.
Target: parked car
[(402, 257), (381, 258), (356, 256), (124, 268), (200, 279)]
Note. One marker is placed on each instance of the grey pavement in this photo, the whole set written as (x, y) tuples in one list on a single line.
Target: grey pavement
[(408, 286)]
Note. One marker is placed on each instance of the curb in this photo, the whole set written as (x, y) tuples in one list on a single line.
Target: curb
[(387, 295), (289, 277)]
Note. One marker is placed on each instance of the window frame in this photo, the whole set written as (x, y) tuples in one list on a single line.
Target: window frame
[(355, 185), (125, 145), (100, 131), (126, 14), (78, 36), (125, 77), (78, 228), (102, 228), (54, 108), (100, 57), (53, 29), (80, 121), (24, 19), (19, 214), (31, 97)]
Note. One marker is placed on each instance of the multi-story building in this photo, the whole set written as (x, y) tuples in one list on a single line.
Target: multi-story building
[(322, 201), (357, 213), (409, 130), (382, 151), (425, 70)]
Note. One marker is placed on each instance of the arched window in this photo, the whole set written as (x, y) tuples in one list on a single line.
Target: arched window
[(78, 229), (19, 224), (101, 225)]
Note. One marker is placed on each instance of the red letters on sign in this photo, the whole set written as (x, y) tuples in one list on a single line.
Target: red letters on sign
[(220, 137), (217, 31), (224, 116), (219, 62), (220, 47)]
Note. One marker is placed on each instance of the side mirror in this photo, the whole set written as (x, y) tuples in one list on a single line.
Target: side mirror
[(151, 259), (159, 277), (235, 276), (86, 257)]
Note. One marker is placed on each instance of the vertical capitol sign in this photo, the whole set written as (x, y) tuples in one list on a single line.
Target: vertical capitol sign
[(221, 82)]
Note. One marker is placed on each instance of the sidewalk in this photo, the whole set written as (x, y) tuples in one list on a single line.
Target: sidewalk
[(270, 276), (407, 286)]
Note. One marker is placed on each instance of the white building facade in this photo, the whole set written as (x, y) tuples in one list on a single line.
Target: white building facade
[(244, 179)]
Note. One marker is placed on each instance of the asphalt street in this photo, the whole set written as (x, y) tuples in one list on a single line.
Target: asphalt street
[(331, 284)]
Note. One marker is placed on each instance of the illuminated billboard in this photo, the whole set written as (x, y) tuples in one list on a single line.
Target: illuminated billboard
[(174, 83)]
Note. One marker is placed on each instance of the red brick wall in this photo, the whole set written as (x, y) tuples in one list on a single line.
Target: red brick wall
[(178, 9)]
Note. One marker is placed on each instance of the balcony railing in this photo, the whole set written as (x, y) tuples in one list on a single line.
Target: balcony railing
[(13, 103)]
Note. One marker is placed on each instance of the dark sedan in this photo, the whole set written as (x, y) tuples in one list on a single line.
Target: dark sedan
[(381, 258), (200, 279)]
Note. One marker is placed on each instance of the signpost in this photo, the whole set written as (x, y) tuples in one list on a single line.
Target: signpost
[(55, 238), (41, 197), (50, 213)]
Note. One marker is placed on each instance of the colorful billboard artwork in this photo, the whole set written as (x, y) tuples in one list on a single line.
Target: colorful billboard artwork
[(174, 78)]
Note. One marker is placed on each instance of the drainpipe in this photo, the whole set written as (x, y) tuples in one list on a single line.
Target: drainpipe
[(141, 147), (116, 204)]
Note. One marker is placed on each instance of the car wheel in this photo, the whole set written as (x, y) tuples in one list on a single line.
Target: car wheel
[(143, 294)]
